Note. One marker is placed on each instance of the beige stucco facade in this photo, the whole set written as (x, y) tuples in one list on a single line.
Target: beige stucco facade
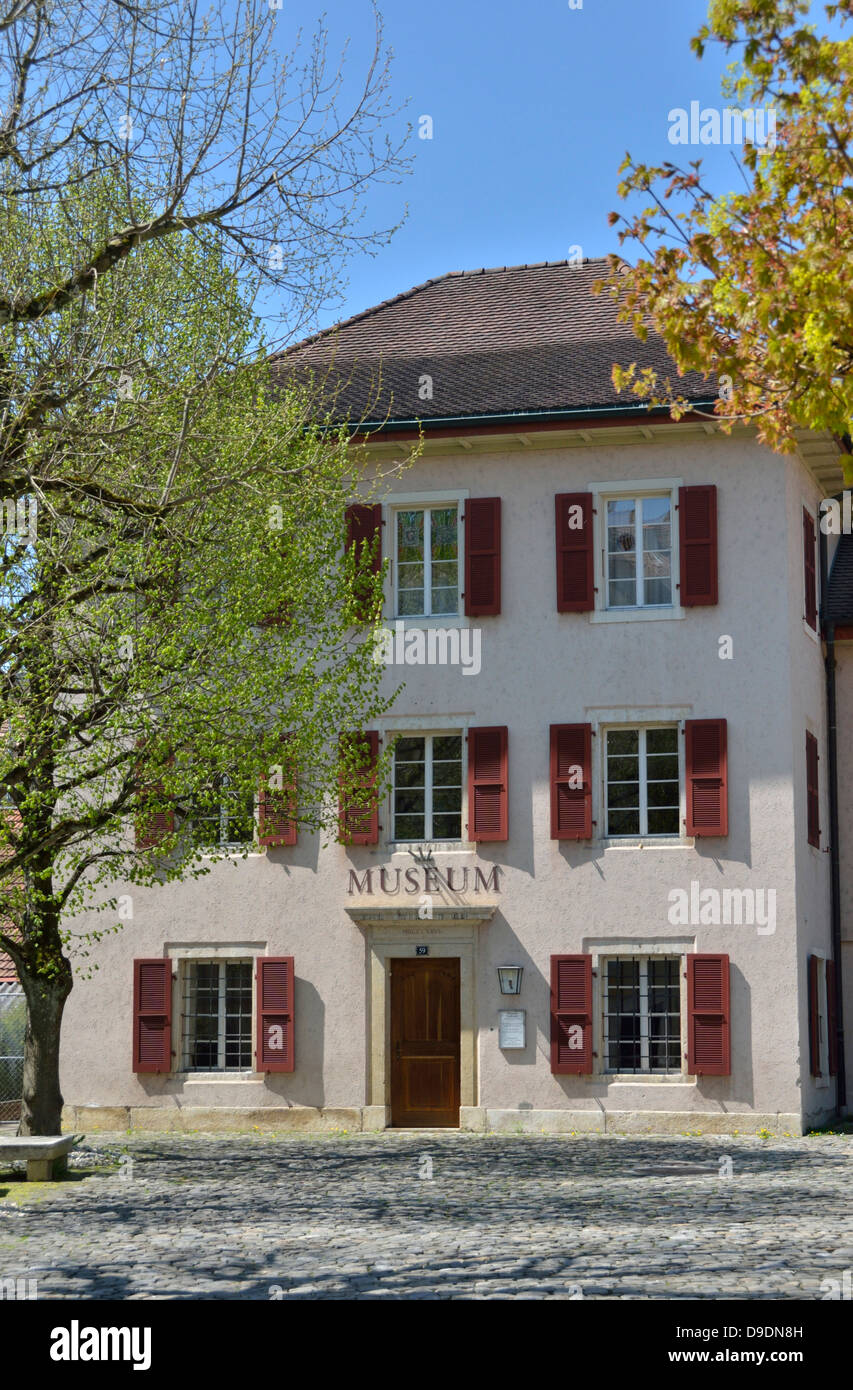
[(538, 667)]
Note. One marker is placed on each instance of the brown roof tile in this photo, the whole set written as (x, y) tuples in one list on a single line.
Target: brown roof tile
[(838, 600), (510, 340)]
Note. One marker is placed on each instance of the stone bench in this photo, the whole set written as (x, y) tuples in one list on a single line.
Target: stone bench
[(46, 1155)]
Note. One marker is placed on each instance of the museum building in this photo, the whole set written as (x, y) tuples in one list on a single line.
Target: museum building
[(610, 886)]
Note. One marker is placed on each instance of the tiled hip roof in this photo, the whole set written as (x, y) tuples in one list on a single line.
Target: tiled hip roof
[(519, 340)]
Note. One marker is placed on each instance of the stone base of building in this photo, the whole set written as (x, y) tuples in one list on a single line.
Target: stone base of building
[(676, 1122), (87, 1119)]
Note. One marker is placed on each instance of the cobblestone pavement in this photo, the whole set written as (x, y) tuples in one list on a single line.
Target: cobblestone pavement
[(438, 1215)]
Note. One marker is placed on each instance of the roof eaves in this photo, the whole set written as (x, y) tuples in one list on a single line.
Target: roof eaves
[(513, 417)]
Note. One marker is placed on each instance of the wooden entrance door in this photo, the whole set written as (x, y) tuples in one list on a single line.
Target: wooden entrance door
[(425, 1037)]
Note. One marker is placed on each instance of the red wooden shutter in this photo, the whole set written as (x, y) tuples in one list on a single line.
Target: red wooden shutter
[(364, 528), (831, 1018), (575, 578), (151, 830), (152, 1015), (708, 1020), (359, 818), (283, 610), (812, 791), (277, 824), (706, 771), (488, 785), (571, 1015), (814, 1016), (697, 530), (809, 563), (571, 806), (274, 1041), (277, 617), (482, 557)]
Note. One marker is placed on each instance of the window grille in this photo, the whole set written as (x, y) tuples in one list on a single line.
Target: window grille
[(217, 1015), (642, 1014)]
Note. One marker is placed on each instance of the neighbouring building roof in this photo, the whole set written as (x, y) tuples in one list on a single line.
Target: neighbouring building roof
[(7, 969), (528, 341), (838, 603)]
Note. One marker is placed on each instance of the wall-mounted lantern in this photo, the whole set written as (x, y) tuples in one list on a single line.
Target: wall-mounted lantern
[(510, 978)]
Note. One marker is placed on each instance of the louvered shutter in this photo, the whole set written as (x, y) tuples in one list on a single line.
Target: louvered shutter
[(278, 616), (708, 1021), (697, 531), (814, 1016), (832, 1017), (488, 786), (482, 557), (274, 989), (282, 612), (277, 824), (575, 575), (809, 565), (706, 773), (358, 814), (812, 791), (152, 1015), (152, 829), (364, 534), (571, 762), (571, 1015)]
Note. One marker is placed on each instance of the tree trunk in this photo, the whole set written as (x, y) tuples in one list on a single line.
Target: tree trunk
[(41, 1108)]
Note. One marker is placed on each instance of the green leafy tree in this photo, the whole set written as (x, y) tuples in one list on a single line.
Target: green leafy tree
[(179, 622), (752, 286)]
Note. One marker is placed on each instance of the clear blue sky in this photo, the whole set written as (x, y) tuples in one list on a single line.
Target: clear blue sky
[(534, 106)]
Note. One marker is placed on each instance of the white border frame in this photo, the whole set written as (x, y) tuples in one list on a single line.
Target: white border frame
[(219, 961), (426, 727), (603, 492), (603, 719), (642, 727), (429, 809), (218, 951), (602, 949), (405, 501), (643, 957)]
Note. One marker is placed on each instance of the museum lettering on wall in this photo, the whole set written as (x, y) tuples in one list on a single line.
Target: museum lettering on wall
[(424, 879)]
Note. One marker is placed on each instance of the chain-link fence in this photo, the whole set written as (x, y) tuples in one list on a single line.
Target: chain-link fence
[(13, 1019)]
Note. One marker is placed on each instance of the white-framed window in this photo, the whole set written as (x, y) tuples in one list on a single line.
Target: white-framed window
[(222, 817), (642, 999), (638, 546), (427, 787), (642, 780), (427, 559), (216, 1015)]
